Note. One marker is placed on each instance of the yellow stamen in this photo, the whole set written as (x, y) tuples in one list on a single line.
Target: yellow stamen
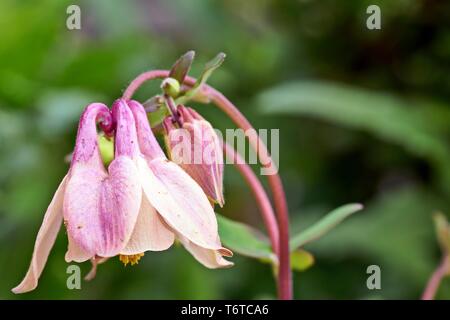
[(131, 259)]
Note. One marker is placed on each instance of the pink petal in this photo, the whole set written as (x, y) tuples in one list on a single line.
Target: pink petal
[(86, 146), (44, 241), (100, 209), (75, 252), (147, 142), (180, 201), (150, 232), (211, 259), (126, 143)]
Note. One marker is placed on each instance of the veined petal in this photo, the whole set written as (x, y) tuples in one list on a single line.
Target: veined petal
[(126, 143), (100, 209), (147, 142), (180, 201), (211, 259), (82, 210), (44, 241), (120, 206), (150, 232)]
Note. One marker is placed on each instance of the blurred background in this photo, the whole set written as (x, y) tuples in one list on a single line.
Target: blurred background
[(364, 117)]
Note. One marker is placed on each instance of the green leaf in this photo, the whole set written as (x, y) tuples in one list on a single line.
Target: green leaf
[(244, 239), (323, 226), (194, 92), (209, 68), (395, 232), (249, 242), (182, 66), (386, 116), (301, 260)]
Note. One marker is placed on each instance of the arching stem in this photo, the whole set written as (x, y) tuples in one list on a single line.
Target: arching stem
[(436, 278), (259, 193), (276, 186)]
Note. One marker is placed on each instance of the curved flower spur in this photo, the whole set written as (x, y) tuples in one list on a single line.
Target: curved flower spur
[(141, 202)]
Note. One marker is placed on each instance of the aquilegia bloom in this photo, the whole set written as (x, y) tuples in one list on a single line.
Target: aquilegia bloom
[(141, 202)]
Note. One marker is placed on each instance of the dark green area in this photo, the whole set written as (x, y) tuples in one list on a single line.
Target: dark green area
[(363, 115)]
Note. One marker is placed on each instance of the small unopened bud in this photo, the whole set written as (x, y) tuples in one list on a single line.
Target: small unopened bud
[(197, 149), (171, 87)]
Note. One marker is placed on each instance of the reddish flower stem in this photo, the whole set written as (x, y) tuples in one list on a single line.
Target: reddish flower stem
[(436, 278), (173, 109), (259, 193), (281, 209)]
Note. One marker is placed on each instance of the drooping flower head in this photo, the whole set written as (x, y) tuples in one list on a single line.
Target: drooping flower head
[(101, 205), (140, 202)]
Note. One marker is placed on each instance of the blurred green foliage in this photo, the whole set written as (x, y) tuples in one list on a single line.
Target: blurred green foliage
[(364, 117)]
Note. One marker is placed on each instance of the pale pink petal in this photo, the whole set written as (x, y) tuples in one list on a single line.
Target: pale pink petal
[(147, 141), (150, 232), (45, 239), (209, 258), (101, 209), (180, 201), (82, 210), (75, 252), (126, 143)]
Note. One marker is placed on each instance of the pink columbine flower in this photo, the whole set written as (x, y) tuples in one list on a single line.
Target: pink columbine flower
[(141, 202), (196, 147), (178, 199)]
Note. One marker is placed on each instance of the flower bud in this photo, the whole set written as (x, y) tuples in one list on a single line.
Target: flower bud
[(197, 149), (171, 87)]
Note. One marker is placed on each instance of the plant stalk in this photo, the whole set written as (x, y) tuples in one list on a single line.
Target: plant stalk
[(436, 278), (259, 193)]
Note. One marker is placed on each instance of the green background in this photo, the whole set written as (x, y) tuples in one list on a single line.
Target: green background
[(363, 115)]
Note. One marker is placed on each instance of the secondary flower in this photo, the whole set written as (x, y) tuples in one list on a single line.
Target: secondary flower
[(197, 149), (139, 203)]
